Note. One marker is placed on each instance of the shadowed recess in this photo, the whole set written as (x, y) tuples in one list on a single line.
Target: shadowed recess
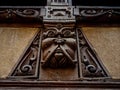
[(23, 2), (95, 2), (44, 2)]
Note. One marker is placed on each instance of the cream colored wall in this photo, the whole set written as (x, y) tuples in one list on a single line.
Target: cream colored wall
[(106, 42), (12, 43)]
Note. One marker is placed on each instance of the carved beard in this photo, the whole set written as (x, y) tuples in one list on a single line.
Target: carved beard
[(60, 54)]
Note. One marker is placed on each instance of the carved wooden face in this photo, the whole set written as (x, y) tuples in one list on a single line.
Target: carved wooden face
[(58, 48)]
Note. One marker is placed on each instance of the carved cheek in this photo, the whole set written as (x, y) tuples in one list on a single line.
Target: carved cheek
[(47, 43), (48, 47), (71, 42), (70, 51), (45, 53)]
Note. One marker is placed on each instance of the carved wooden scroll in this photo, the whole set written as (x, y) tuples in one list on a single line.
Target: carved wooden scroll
[(28, 66), (90, 64)]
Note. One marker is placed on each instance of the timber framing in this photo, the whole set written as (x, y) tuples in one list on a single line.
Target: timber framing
[(83, 14), (115, 84)]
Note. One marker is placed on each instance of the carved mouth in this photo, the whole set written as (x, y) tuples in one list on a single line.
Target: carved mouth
[(58, 54)]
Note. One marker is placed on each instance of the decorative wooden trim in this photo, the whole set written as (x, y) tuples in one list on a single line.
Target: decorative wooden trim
[(82, 13), (97, 14), (68, 84), (21, 14)]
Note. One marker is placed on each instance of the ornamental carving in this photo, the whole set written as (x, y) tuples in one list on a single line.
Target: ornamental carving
[(59, 54), (91, 64), (59, 14), (58, 47), (21, 15), (28, 65)]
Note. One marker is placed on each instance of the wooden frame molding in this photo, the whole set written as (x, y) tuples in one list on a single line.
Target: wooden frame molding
[(76, 84), (86, 14)]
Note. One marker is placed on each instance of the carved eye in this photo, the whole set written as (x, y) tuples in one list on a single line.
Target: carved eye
[(51, 33), (67, 33)]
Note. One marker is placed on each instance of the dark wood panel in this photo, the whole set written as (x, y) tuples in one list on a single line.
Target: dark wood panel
[(44, 2), (96, 2), (23, 2)]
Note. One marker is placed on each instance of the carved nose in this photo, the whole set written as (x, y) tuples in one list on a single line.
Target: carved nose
[(59, 41)]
